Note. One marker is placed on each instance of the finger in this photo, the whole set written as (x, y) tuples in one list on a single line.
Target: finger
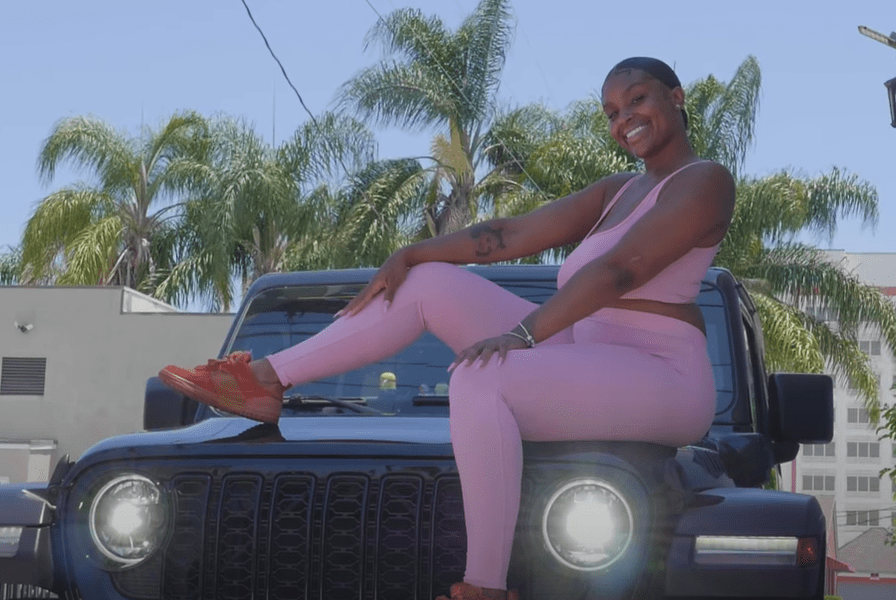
[(355, 305), (502, 354), (486, 355)]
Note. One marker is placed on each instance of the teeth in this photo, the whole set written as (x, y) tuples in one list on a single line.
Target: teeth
[(634, 132)]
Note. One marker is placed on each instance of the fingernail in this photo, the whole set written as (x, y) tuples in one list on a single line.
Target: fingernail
[(338, 314), (386, 304), (452, 366)]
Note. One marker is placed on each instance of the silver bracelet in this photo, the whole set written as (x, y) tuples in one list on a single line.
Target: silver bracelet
[(518, 336), (525, 336)]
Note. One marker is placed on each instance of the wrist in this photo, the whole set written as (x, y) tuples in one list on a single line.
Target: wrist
[(521, 332)]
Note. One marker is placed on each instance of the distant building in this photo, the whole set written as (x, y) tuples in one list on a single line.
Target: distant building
[(848, 468), (873, 563), (74, 363)]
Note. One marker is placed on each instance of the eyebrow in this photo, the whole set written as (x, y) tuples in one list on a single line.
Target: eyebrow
[(627, 89)]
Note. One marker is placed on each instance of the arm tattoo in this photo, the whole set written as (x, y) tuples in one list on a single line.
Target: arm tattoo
[(487, 239)]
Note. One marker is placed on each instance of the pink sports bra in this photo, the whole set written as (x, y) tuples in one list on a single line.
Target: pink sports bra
[(679, 283)]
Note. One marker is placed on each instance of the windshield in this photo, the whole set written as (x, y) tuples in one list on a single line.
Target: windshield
[(413, 382)]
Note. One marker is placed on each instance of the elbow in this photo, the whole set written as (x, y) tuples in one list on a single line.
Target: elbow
[(628, 275)]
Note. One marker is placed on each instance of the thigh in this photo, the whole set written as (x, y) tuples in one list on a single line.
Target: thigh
[(462, 308), (607, 392)]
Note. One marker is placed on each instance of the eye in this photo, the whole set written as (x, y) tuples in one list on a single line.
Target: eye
[(637, 99)]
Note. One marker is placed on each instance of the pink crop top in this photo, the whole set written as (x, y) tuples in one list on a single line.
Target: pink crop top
[(679, 283)]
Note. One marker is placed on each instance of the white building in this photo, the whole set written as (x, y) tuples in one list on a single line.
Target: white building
[(848, 468), (74, 363)]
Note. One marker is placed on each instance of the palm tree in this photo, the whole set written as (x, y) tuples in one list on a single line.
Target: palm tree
[(432, 78), (254, 205), (103, 233), (786, 277), (10, 266)]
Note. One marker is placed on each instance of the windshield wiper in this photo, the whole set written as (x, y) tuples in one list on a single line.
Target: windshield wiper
[(309, 401)]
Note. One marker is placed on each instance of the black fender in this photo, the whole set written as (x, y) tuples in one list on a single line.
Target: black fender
[(746, 513)]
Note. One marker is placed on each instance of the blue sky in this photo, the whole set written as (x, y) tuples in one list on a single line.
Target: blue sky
[(823, 102)]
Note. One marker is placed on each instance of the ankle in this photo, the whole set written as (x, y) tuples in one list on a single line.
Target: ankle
[(266, 376)]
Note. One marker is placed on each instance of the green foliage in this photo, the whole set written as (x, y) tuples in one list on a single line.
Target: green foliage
[(433, 79), (10, 266), (760, 249), (102, 231)]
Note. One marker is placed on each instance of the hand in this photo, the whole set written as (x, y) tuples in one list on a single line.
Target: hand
[(387, 280), (484, 350)]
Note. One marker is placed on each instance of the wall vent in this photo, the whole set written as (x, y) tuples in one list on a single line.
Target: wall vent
[(23, 376)]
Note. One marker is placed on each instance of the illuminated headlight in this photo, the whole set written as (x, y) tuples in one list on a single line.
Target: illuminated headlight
[(128, 519), (587, 525)]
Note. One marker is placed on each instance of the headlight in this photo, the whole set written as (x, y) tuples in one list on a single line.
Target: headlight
[(587, 524), (128, 519)]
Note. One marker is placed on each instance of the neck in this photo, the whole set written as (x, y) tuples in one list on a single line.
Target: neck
[(671, 158)]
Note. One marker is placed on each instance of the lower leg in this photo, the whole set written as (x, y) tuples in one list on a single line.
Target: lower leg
[(458, 307), (482, 425)]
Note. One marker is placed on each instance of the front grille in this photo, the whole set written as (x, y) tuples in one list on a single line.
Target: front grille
[(389, 535)]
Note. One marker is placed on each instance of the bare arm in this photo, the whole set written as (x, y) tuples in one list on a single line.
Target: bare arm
[(694, 209), (561, 222)]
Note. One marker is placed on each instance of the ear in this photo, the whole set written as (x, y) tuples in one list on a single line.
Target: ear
[(677, 96)]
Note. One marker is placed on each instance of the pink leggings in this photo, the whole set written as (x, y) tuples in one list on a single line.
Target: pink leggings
[(616, 375)]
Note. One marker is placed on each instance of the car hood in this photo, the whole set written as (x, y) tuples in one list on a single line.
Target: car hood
[(222, 435)]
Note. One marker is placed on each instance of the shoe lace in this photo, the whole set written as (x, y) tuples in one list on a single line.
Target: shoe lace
[(215, 364)]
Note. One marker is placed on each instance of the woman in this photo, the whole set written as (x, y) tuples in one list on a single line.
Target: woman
[(622, 342)]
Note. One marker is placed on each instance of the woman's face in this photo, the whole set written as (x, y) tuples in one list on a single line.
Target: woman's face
[(642, 111)]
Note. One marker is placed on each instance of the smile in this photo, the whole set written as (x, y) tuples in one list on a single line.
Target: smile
[(635, 132)]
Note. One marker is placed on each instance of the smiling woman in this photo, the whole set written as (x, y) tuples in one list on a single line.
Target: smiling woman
[(621, 343)]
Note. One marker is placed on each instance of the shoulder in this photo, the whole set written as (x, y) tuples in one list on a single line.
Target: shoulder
[(610, 185), (704, 180)]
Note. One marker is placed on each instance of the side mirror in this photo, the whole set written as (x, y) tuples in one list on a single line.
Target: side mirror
[(163, 408), (801, 407)]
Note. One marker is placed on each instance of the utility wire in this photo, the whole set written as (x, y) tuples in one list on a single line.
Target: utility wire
[(283, 70)]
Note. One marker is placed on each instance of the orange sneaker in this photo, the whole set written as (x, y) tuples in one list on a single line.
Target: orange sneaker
[(227, 384), (468, 591)]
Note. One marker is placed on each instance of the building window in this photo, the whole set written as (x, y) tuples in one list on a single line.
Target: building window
[(863, 449), (863, 518), (862, 484), (857, 415), (818, 483), (818, 449), (871, 347), (23, 376)]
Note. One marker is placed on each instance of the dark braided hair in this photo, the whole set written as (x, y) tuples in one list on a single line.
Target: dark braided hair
[(656, 69)]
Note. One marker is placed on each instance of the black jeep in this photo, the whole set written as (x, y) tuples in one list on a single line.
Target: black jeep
[(355, 493)]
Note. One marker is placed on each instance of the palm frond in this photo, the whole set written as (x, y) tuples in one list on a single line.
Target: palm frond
[(485, 37), (91, 254), (57, 220), (90, 144), (396, 94), (10, 266)]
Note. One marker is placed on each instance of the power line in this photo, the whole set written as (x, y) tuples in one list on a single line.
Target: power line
[(283, 70)]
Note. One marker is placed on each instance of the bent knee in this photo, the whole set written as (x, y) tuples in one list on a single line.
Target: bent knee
[(474, 384)]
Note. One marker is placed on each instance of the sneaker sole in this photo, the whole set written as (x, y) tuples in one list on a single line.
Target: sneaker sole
[(266, 410)]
